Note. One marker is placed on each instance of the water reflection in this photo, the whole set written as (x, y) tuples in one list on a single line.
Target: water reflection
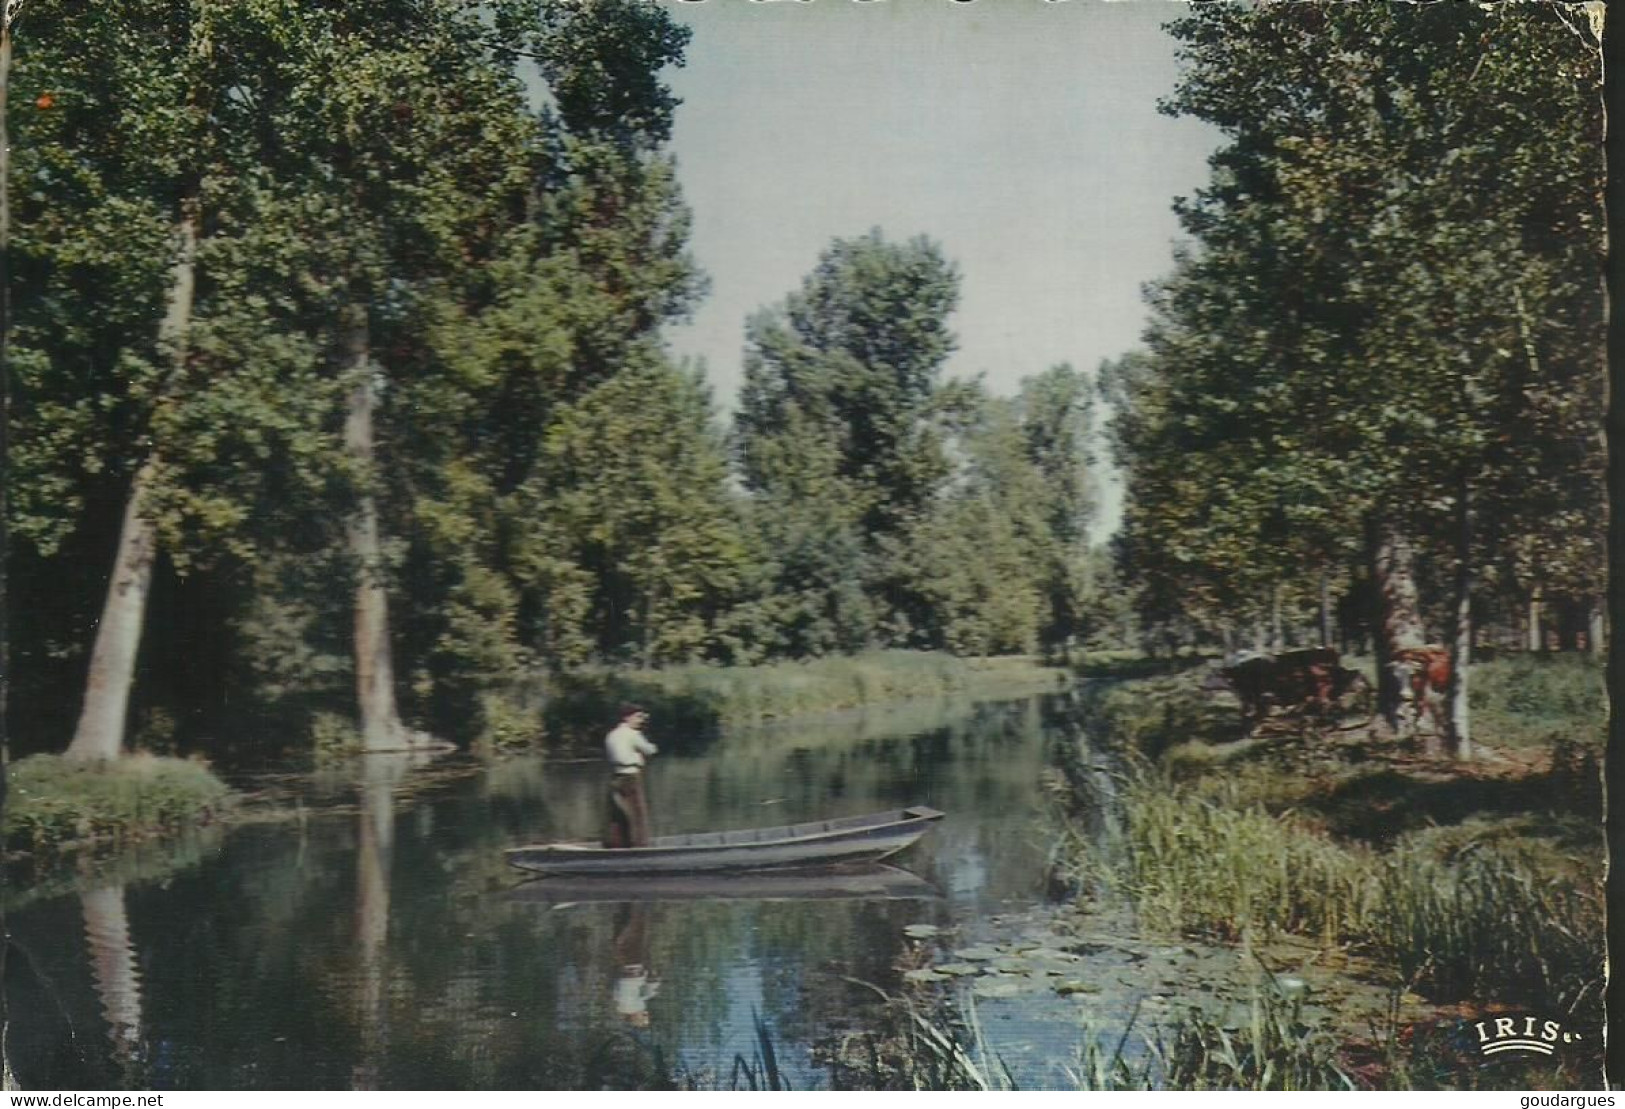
[(635, 982), (113, 969), (380, 776), (384, 942)]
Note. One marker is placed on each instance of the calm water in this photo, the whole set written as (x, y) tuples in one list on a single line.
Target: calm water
[(379, 941)]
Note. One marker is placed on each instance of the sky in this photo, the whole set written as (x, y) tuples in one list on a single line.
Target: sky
[(1020, 135)]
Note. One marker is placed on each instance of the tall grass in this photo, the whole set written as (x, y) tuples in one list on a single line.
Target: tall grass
[(1489, 925), (1273, 1048), (1190, 864), (696, 697), (1488, 920), (54, 802), (1270, 1047), (1530, 700)]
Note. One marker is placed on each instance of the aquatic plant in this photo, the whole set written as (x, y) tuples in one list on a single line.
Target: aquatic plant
[(1487, 925)]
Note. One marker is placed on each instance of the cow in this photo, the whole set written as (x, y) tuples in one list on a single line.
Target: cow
[(1425, 671), (1310, 682)]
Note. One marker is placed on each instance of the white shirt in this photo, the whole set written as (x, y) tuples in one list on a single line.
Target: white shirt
[(626, 747)]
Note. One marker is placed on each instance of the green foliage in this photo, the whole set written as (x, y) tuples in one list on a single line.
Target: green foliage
[(1530, 700), (1470, 915), (841, 434), (53, 803), (633, 491), (1354, 328), (696, 698)]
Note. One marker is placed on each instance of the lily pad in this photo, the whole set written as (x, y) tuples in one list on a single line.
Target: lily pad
[(1051, 955), (978, 954), (1074, 986), (921, 931), (996, 987), (959, 970)]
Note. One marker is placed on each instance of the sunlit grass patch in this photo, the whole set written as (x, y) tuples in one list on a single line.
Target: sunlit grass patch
[(54, 802), (1190, 864), (697, 698)]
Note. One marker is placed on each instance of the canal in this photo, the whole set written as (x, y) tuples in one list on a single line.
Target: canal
[(379, 941)]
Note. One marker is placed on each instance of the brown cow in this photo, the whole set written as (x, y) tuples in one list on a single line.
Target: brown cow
[(1308, 681), (1426, 672)]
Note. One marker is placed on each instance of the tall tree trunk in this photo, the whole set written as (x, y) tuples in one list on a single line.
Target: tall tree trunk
[(1596, 631), (381, 727), (1458, 727), (100, 734), (1277, 638), (1325, 609), (1398, 616), (1536, 640)]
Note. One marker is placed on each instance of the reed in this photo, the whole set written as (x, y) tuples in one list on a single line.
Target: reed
[(697, 698), (1489, 924), (1272, 1049), (1452, 916), (1190, 864)]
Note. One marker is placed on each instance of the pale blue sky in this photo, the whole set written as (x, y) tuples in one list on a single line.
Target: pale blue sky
[(1021, 135)]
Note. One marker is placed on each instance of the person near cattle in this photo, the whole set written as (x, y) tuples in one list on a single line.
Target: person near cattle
[(628, 750)]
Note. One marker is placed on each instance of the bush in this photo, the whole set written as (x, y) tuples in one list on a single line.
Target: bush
[(55, 802)]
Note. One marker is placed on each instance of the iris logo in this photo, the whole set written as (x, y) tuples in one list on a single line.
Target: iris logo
[(1529, 1034)]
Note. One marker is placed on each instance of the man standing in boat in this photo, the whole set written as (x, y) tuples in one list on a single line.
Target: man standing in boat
[(627, 750)]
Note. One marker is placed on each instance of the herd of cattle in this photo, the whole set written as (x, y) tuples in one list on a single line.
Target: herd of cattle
[(1313, 684)]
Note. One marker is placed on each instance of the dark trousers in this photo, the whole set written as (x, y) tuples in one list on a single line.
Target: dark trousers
[(628, 812)]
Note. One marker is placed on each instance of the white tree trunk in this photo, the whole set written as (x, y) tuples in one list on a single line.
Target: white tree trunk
[(381, 727), (1458, 726), (1399, 620), (100, 734)]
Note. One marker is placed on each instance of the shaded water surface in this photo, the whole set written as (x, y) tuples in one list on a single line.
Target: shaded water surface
[(379, 942)]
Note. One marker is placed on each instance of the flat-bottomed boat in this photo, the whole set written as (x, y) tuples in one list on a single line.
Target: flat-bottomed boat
[(815, 843)]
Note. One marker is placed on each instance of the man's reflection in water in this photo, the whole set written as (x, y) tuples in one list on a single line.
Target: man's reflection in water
[(634, 983)]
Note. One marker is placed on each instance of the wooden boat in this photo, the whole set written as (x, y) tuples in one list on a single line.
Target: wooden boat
[(866, 882), (816, 843)]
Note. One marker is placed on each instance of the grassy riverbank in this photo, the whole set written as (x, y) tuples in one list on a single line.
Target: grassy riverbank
[(1477, 885), (53, 802), (698, 699)]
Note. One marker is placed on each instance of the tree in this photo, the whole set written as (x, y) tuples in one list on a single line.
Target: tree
[(634, 501), (847, 372), (1057, 423), (1337, 354)]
